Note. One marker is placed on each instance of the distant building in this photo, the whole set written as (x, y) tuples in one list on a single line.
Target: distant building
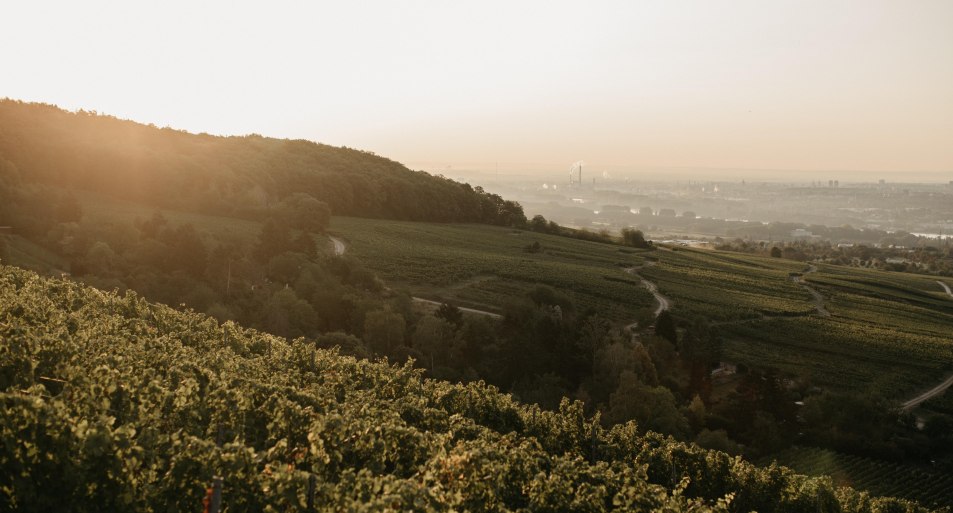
[(801, 233), (666, 212)]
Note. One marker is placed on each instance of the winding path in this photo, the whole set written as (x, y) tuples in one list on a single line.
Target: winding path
[(664, 303), (818, 298), (946, 288), (339, 248)]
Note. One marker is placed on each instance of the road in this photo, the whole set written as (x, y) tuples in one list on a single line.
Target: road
[(933, 392), (946, 288), (339, 248)]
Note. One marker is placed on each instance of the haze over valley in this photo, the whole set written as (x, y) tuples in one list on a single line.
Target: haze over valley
[(422, 256)]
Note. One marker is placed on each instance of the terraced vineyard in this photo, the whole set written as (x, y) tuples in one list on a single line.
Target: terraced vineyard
[(877, 477), (117, 404), (485, 266)]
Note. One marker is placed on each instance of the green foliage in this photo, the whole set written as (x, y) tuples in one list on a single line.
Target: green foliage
[(113, 403), (634, 238), (241, 176)]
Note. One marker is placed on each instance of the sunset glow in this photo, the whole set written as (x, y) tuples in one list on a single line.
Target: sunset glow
[(780, 85)]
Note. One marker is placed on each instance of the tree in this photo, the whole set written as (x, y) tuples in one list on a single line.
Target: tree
[(274, 239), (153, 226), (665, 327), (433, 337), (776, 252), (538, 224), (68, 210), (188, 252), (653, 408), (634, 238), (384, 330), (450, 313), (304, 212)]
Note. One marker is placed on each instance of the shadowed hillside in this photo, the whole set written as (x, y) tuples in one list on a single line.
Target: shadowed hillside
[(243, 176)]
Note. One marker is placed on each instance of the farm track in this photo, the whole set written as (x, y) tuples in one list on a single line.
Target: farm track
[(946, 288), (818, 298), (664, 303), (933, 392), (340, 247)]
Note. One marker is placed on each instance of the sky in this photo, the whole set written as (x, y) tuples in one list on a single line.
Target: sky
[(769, 85)]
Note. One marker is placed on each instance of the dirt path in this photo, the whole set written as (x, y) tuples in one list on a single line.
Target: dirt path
[(664, 303), (462, 309), (337, 245), (818, 298), (933, 392), (946, 288), (339, 248)]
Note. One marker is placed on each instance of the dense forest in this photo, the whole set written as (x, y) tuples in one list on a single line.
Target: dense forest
[(239, 176), (120, 404)]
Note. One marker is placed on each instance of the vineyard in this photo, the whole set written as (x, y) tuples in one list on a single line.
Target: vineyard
[(877, 477), (725, 286), (888, 332), (111, 403), (486, 266)]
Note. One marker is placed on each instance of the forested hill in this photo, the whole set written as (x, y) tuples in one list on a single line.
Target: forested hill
[(111, 403), (241, 176)]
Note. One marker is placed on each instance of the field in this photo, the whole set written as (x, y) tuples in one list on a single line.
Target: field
[(876, 477), (887, 332), (485, 266), (103, 209), (728, 286), (25, 254)]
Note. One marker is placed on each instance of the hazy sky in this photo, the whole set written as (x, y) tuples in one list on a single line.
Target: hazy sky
[(763, 84)]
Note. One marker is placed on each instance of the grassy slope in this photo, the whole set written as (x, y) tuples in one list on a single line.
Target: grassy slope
[(118, 404), (485, 266), (23, 253)]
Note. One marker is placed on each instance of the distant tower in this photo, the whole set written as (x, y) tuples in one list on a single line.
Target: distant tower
[(575, 174)]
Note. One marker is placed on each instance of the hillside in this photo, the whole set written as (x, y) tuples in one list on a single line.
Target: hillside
[(487, 266), (243, 176), (119, 404), (886, 331)]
